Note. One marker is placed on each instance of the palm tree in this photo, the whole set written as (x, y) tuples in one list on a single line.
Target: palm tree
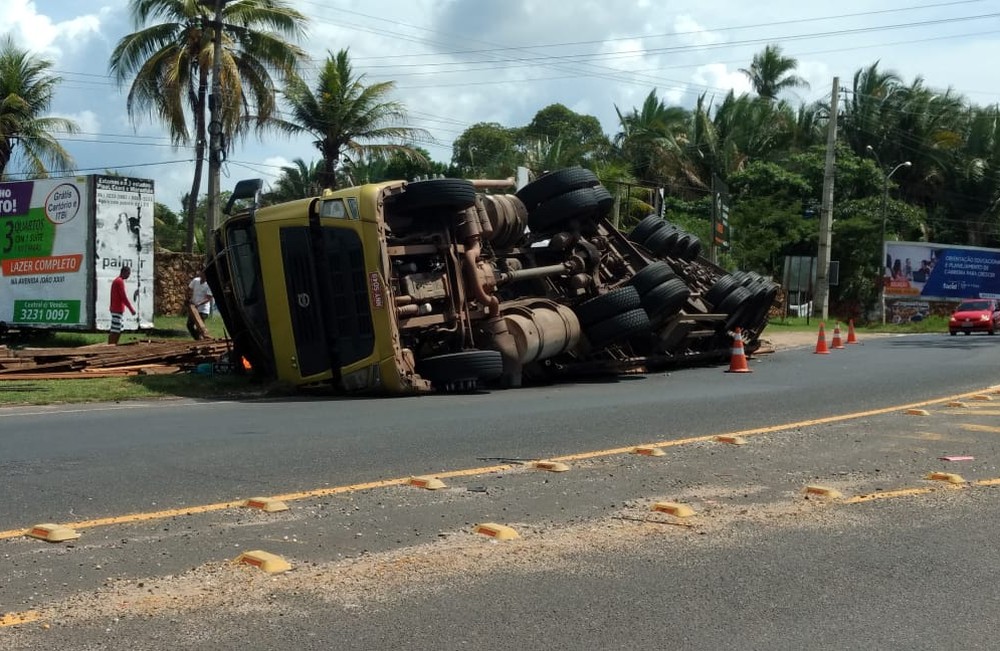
[(169, 57), (26, 90), (870, 111), (654, 140), (346, 116), (770, 73), (297, 181)]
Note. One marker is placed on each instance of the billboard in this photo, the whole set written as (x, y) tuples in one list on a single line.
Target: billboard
[(123, 237), (940, 271), (61, 243)]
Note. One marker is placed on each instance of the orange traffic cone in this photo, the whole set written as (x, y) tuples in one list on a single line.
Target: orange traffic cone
[(851, 337), (837, 343), (738, 360), (821, 348)]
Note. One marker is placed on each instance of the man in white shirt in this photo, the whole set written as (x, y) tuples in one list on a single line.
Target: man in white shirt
[(199, 306)]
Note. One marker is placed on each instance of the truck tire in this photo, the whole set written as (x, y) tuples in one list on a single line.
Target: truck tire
[(651, 276), (736, 305), (667, 299), (462, 370), (605, 202), (691, 250), (554, 184), (605, 306), (450, 194), (619, 327), (576, 204), (722, 287), (663, 241), (646, 227)]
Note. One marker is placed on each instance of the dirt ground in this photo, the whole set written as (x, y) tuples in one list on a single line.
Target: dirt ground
[(776, 340)]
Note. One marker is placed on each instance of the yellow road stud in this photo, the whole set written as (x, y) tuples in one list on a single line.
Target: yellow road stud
[(673, 508), (981, 397), (13, 619), (823, 491), (496, 531), (52, 533), (648, 451), (266, 504), (957, 403), (731, 440), (430, 483), (917, 412), (949, 477), (270, 563), (551, 466)]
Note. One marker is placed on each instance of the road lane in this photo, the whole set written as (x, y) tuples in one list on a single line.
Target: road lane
[(760, 565), (74, 464)]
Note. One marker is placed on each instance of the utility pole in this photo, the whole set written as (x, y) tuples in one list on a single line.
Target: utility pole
[(215, 154), (821, 299)]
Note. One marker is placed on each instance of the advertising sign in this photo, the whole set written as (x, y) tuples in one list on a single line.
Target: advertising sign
[(43, 253), (123, 219), (62, 242), (940, 271)]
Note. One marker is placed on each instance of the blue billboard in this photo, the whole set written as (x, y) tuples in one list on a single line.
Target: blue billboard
[(940, 271)]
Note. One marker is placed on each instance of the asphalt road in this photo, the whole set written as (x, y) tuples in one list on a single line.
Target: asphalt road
[(759, 566)]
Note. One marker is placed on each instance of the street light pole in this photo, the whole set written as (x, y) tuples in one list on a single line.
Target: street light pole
[(885, 213)]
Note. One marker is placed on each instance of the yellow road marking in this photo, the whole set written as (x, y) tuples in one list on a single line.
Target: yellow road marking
[(884, 495), (468, 472), (13, 619), (978, 412), (972, 427)]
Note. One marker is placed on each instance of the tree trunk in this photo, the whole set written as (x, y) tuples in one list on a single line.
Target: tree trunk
[(328, 176), (6, 148), (199, 159)]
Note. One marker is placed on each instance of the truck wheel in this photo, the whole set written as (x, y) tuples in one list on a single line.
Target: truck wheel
[(651, 276), (604, 200), (461, 370), (451, 194), (667, 299), (618, 327), (736, 305), (646, 227), (691, 250), (721, 289), (554, 184), (663, 241), (576, 204), (608, 305)]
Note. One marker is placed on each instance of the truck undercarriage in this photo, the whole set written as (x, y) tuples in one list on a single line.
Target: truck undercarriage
[(466, 288)]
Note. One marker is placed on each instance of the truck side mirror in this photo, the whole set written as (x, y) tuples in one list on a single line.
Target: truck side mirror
[(245, 189)]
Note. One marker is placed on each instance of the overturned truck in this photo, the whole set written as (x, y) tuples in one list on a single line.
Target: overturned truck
[(403, 287)]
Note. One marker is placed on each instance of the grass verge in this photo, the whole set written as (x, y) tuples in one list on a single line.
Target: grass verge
[(139, 387)]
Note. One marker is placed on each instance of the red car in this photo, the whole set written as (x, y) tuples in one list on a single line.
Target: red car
[(975, 315)]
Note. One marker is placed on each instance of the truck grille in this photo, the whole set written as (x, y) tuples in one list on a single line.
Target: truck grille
[(327, 297)]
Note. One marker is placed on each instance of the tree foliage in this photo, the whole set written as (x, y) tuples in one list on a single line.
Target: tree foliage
[(26, 90), (348, 118), (166, 64)]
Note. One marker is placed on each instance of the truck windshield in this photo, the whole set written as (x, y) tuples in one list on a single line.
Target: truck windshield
[(242, 252)]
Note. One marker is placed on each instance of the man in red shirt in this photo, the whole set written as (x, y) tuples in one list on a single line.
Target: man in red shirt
[(119, 301)]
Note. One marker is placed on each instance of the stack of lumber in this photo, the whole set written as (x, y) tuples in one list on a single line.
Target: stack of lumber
[(102, 360)]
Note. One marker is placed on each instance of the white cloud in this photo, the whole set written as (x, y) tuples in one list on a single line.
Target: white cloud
[(459, 62), (690, 32), (88, 121), (39, 33), (718, 76)]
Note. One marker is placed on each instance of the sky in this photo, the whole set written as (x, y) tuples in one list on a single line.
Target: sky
[(459, 62)]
